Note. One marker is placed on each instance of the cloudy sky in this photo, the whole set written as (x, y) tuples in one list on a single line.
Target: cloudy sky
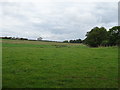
[(55, 20)]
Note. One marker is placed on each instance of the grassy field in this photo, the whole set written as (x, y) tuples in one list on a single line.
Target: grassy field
[(37, 64)]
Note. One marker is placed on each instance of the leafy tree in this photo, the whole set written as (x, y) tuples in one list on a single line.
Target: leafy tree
[(114, 35), (72, 41), (66, 41), (76, 41), (105, 43), (96, 36), (39, 39)]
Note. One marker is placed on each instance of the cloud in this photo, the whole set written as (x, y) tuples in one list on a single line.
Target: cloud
[(55, 20)]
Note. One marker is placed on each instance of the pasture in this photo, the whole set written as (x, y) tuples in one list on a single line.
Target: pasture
[(37, 64)]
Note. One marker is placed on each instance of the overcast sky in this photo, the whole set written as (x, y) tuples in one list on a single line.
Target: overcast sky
[(53, 20)]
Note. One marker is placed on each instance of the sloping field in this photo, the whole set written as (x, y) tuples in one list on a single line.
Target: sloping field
[(37, 64)]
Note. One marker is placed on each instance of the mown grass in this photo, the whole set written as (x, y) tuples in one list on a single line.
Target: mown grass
[(35, 64)]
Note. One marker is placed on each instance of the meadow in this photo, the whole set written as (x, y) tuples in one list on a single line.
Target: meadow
[(38, 64)]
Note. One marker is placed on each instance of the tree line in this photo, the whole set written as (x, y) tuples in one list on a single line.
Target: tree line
[(73, 41), (100, 37), (14, 38), (94, 38)]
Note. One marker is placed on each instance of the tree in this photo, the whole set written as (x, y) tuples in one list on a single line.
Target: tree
[(105, 43), (39, 39), (76, 41), (72, 41), (114, 35), (66, 41), (96, 36)]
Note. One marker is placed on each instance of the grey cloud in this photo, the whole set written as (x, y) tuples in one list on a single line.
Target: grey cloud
[(107, 11), (56, 20)]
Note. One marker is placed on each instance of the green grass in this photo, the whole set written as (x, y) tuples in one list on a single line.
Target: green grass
[(33, 64), (25, 45)]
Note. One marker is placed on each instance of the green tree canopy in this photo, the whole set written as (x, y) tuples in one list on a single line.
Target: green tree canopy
[(114, 35), (96, 36)]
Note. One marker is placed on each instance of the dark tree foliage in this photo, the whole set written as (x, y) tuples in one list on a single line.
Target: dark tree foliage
[(101, 37), (114, 35), (73, 41), (66, 41), (14, 38), (23, 38), (96, 36), (6, 37), (76, 41)]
